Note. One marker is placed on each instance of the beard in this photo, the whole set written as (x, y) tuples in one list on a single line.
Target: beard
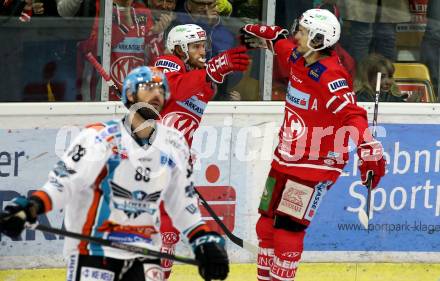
[(145, 110)]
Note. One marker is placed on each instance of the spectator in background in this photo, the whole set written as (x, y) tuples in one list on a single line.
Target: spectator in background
[(365, 85), (205, 14), (78, 8), (131, 23), (373, 25), (430, 47), (249, 9), (224, 8), (163, 15)]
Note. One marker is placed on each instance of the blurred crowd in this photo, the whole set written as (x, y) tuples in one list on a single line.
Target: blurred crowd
[(376, 34)]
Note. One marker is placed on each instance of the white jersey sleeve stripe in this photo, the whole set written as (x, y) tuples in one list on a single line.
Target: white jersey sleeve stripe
[(330, 101), (341, 106)]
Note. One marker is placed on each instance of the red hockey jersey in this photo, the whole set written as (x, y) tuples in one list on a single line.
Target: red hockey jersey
[(190, 93), (320, 114)]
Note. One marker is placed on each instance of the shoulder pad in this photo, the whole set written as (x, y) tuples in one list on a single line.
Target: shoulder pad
[(106, 131)]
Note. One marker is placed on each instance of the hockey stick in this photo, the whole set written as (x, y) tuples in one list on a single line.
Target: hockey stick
[(98, 67), (364, 217), (235, 239), (108, 243)]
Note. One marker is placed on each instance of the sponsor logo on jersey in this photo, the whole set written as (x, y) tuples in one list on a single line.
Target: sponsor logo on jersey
[(194, 105), (166, 160), (297, 98), (295, 199), (293, 127), (130, 45), (337, 85), (316, 70), (168, 64), (133, 203), (127, 238), (318, 195), (96, 274), (122, 66), (295, 55), (294, 78)]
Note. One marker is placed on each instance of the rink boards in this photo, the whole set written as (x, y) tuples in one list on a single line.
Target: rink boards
[(234, 145)]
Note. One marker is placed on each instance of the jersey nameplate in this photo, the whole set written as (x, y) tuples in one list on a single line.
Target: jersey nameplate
[(337, 85), (170, 65)]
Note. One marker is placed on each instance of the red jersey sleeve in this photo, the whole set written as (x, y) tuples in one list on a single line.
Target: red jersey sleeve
[(340, 100), (183, 84), (283, 49)]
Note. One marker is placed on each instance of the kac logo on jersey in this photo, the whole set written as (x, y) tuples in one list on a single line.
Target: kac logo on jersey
[(182, 121), (297, 98), (293, 127), (167, 64), (337, 85), (122, 66)]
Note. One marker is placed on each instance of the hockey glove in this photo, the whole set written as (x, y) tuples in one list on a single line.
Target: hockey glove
[(16, 214), (209, 249), (224, 63), (261, 36), (371, 162)]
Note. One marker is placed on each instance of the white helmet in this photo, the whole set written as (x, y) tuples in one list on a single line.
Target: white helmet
[(323, 27), (182, 35)]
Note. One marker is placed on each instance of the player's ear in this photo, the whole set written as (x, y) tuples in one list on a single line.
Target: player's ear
[(130, 96)]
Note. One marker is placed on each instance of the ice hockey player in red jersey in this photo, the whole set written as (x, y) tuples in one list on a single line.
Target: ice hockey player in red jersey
[(111, 182), (192, 81), (320, 114)]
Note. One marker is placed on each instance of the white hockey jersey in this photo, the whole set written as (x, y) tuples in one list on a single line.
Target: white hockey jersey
[(111, 187)]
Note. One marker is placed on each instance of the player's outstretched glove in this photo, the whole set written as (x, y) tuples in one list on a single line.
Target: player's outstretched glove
[(209, 249), (261, 36), (226, 62), (16, 214), (371, 162)]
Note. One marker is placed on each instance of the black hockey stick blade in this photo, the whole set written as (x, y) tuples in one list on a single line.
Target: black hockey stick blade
[(235, 239), (112, 244)]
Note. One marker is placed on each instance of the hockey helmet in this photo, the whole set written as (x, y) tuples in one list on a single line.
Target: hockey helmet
[(323, 26), (182, 35), (144, 75)]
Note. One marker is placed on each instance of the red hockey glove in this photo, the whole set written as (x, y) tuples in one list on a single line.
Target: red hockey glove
[(371, 161), (261, 36), (224, 63)]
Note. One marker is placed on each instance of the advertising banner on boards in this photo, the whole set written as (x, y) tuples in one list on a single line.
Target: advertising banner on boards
[(232, 164)]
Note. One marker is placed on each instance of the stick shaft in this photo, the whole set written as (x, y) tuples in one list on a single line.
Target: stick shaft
[(376, 109), (235, 239), (116, 245), (98, 67)]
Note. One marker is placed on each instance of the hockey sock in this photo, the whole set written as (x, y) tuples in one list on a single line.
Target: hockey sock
[(288, 247), (265, 252)]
